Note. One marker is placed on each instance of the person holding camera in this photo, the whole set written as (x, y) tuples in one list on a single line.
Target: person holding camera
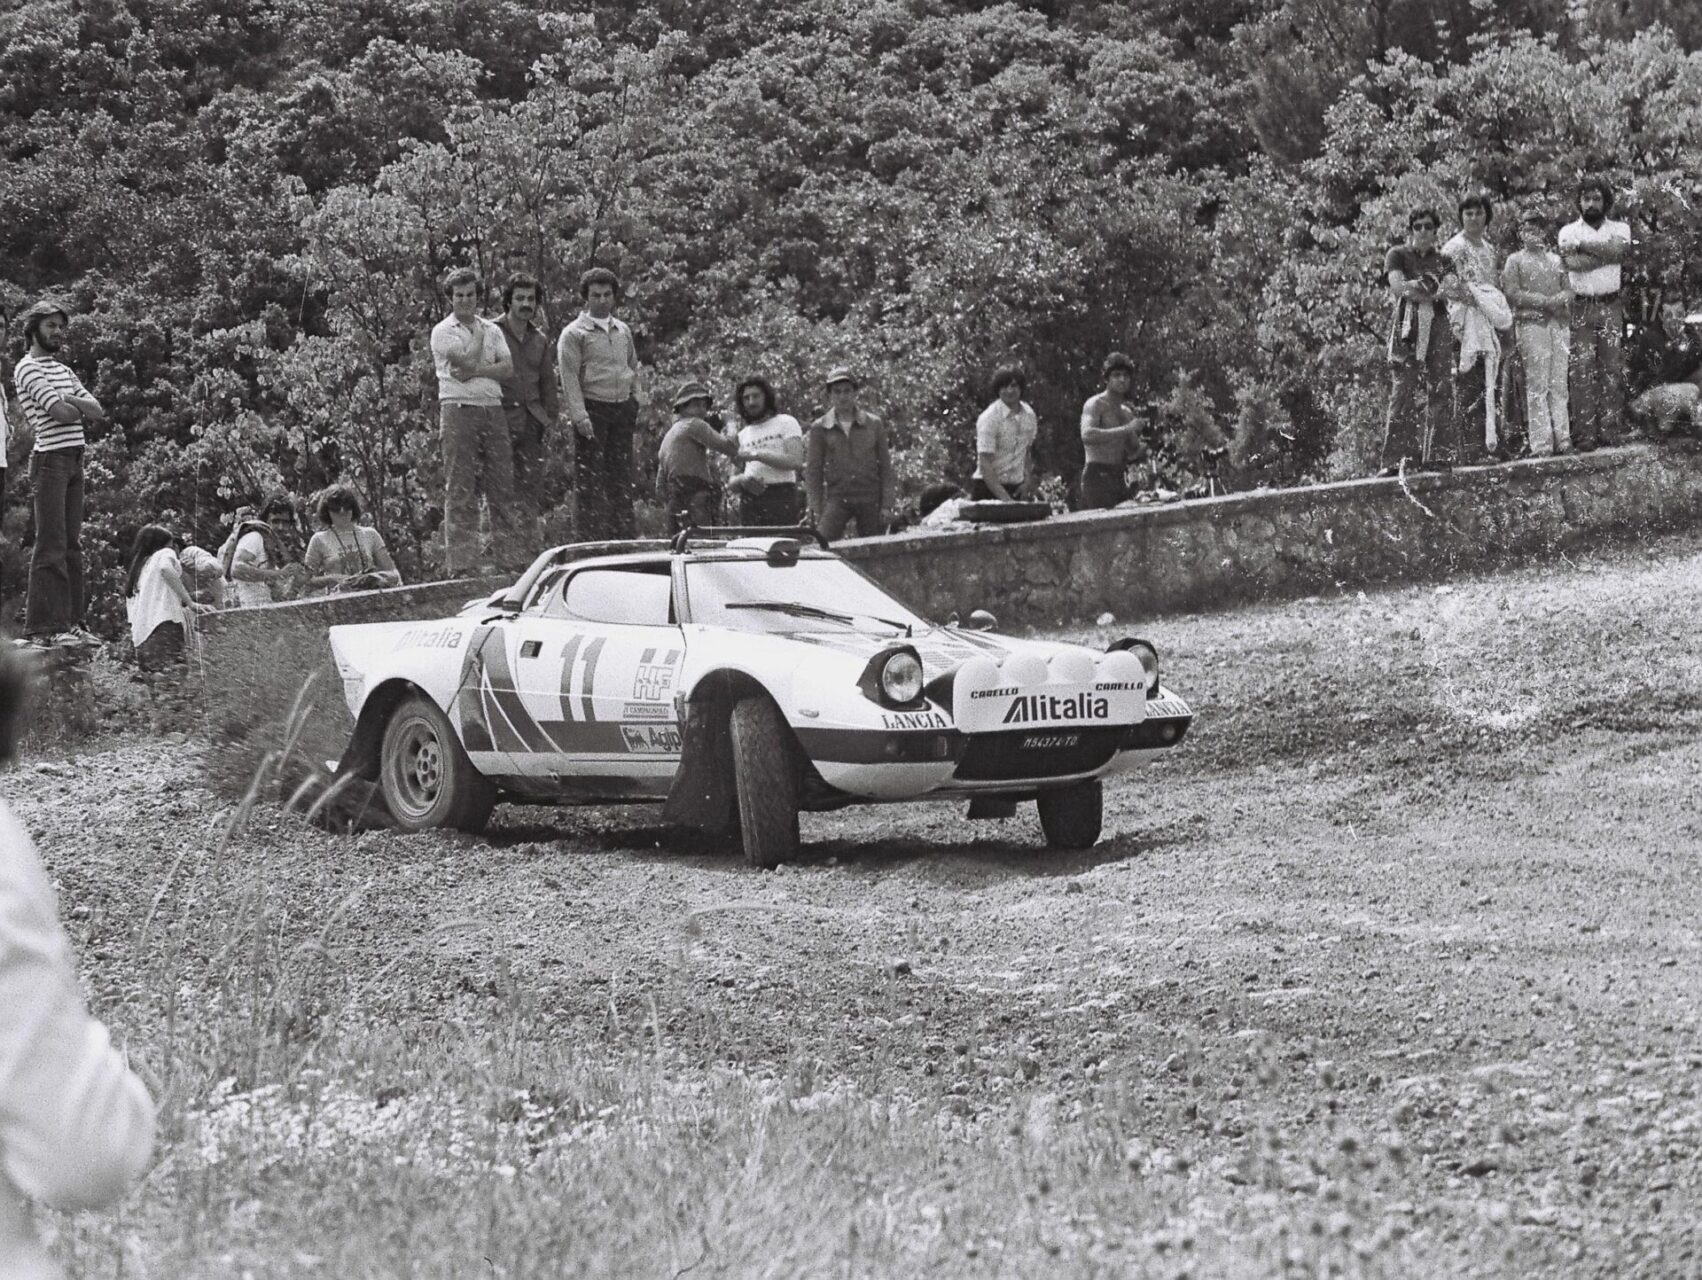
[(1419, 426), (685, 481), (1110, 436), (345, 555)]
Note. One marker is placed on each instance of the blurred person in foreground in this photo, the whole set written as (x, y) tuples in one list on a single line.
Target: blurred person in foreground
[(772, 444), (1110, 431), (1004, 440), (346, 555), (76, 1124)]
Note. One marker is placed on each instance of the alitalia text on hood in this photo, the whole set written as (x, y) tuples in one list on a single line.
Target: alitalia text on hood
[(1031, 707)]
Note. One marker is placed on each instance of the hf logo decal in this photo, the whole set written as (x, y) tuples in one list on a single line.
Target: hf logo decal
[(654, 679)]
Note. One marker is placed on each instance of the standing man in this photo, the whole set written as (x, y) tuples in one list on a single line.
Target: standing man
[(1536, 289), (1476, 318), (1420, 353), (1109, 428), (847, 468), (531, 397), (599, 378), (1004, 437), (57, 407), (772, 444), (472, 358), (1592, 249)]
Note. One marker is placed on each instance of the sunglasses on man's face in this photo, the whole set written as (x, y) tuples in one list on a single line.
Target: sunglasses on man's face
[(1424, 226)]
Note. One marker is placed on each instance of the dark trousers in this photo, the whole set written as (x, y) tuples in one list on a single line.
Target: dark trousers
[(1421, 426), (526, 445), (602, 472), (56, 565), (1597, 371), (692, 503), (162, 649), (775, 505), (1103, 486), (979, 492), (836, 513)]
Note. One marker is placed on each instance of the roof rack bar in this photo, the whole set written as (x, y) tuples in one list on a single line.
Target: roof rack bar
[(808, 532)]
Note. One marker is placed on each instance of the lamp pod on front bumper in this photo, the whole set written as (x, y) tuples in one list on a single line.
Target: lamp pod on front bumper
[(1147, 652), (893, 677)]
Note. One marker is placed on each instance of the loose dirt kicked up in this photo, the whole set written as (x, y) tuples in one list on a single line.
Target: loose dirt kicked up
[(1393, 969)]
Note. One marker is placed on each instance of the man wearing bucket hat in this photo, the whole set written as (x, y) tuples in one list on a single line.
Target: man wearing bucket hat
[(685, 482), (847, 467), (56, 406)]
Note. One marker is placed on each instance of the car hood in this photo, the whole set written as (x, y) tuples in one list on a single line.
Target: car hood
[(941, 649)]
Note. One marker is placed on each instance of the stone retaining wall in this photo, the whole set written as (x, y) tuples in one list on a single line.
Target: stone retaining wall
[(1134, 562)]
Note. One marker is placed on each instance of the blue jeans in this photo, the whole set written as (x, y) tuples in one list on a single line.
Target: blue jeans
[(56, 565)]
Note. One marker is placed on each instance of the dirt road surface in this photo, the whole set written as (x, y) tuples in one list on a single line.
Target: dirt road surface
[(1394, 968)]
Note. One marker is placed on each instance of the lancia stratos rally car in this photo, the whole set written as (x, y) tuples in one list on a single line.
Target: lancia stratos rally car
[(738, 680)]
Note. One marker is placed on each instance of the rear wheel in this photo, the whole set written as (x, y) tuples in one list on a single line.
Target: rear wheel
[(765, 773), (1073, 816), (426, 777)]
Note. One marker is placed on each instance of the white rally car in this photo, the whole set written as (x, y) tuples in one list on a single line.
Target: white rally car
[(738, 680)]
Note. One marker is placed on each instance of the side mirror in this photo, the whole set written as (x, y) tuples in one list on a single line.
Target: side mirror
[(981, 620)]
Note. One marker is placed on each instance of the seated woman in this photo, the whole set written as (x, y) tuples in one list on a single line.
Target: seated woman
[(345, 556), (256, 556), (158, 602)]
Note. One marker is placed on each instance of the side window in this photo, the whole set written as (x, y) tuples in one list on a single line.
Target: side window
[(618, 596)]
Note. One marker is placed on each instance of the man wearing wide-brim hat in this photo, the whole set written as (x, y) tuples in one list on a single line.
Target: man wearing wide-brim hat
[(57, 407), (685, 479), (847, 466)]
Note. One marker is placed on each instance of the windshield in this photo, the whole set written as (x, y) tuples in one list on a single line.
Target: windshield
[(812, 595)]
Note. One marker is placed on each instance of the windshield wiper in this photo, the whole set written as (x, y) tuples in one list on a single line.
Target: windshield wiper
[(797, 610)]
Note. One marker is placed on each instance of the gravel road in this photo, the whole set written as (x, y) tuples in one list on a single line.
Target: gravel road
[(1407, 932)]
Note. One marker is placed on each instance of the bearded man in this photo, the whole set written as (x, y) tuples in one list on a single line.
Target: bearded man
[(1592, 249)]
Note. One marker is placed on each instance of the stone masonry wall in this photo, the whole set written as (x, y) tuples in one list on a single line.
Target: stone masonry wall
[(1133, 562)]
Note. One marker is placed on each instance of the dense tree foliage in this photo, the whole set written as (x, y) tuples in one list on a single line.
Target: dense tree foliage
[(249, 204)]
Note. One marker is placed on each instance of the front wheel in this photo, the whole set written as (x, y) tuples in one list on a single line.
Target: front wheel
[(1073, 816), (426, 777), (765, 773)]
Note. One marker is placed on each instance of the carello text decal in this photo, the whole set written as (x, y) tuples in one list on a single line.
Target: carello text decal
[(1049, 706)]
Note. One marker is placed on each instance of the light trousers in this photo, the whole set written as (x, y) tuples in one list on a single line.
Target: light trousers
[(1545, 349)]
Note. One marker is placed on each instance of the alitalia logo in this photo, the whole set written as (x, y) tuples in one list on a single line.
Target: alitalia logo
[(1033, 707)]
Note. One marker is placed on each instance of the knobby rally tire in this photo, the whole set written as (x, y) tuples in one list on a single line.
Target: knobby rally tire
[(1072, 817), (765, 775), (426, 777)]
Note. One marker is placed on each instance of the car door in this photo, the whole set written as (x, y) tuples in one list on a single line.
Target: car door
[(598, 664)]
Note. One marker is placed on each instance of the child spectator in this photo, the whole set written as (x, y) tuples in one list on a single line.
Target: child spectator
[(159, 604), (77, 1127), (344, 555), (1536, 288), (684, 481)]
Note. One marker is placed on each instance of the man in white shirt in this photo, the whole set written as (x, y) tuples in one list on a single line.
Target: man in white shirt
[(1592, 249), (1004, 436), (472, 357), (773, 444)]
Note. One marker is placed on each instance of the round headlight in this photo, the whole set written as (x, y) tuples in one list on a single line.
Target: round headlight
[(1149, 663), (901, 677)]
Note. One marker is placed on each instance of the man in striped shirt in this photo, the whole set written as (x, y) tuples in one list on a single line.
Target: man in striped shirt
[(56, 406)]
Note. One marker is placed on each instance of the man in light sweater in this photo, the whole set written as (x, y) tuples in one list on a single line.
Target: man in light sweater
[(472, 358), (76, 1125), (598, 366)]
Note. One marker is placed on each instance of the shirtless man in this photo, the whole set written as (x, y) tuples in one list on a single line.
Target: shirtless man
[(1109, 430)]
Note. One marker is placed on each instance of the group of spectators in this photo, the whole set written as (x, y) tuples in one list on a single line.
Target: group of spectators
[(1462, 320)]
